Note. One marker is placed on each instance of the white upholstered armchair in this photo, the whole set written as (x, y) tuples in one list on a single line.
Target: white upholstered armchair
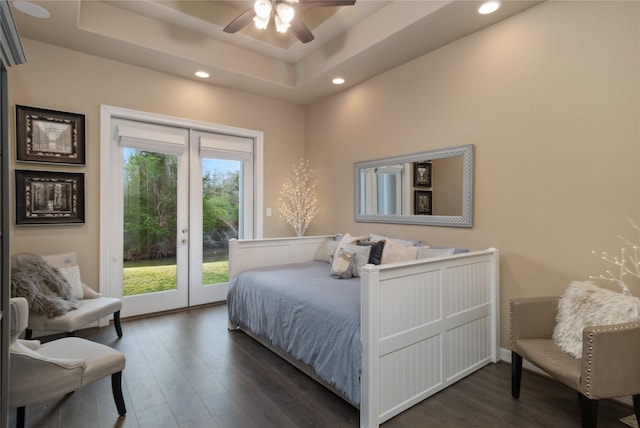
[(93, 306), (41, 372)]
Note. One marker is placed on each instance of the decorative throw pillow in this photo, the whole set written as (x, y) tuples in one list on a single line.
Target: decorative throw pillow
[(346, 240), (360, 255), (343, 264), (72, 275), (426, 252), (326, 251), (44, 287), (394, 252), (375, 255), (584, 304)]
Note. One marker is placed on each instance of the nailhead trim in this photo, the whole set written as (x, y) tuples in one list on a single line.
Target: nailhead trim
[(591, 336)]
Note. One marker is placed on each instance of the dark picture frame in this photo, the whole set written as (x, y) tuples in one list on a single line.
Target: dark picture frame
[(49, 197), (422, 174), (423, 202), (49, 136)]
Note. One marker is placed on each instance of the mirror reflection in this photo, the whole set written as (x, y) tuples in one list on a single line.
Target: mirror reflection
[(432, 187)]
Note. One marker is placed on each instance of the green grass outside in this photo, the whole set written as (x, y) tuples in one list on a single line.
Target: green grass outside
[(149, 279)]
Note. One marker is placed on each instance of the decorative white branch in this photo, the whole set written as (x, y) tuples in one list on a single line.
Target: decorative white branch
[(626, 265), (298, 201)]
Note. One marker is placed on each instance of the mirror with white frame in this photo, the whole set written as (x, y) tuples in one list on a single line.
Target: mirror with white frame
[(433, 187)]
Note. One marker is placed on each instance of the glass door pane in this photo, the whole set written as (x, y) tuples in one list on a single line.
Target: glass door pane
[(220, 209), (150, 222), (220, 217)]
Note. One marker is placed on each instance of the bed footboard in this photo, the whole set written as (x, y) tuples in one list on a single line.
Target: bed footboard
[(424, 326)]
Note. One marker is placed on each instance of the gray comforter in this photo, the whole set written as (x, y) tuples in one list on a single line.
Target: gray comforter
[(302, 310)]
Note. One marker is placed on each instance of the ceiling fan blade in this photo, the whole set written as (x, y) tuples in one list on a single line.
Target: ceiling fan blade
[(316, 3), (301, 31), (240, 22)]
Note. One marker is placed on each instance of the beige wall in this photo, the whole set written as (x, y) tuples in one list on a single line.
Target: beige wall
[(550, 99), (66, 80)]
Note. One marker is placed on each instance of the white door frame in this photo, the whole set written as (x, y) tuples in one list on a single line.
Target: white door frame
[(108, 198)]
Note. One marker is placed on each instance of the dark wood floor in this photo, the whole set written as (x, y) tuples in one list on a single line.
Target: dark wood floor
[(187, 370)]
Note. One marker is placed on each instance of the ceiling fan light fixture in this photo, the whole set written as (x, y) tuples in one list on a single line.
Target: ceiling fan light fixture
[(281, 26), (285, 12), (263, 9), (261, 24), (283, 16)]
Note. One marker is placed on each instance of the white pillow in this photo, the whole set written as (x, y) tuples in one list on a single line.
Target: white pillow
[(72, 275), (584, 304), (426, 252), (394, 252)]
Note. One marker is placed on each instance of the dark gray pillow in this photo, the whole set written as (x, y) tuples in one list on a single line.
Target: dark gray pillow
[(375, 256)]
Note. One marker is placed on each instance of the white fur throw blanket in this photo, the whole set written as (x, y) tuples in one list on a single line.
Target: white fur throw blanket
[(45, 288), (584, 304)]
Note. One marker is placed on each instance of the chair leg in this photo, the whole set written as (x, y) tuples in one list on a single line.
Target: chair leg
[(116, 387), (28, 334), (116, 323), (636, 406), (516, 374), (21, 417), (589, 410)]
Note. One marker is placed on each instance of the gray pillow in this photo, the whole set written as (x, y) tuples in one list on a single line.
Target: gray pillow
[(326, 251), (361, 256), (349, 260), (375, 256)]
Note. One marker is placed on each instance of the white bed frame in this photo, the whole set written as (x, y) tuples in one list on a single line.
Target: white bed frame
[(425, 324)]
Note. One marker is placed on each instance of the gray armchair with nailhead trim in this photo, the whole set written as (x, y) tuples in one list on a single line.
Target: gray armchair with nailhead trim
[(610, 366)]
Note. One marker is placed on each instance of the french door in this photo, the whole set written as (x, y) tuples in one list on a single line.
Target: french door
[(177, 196), (221, 208)]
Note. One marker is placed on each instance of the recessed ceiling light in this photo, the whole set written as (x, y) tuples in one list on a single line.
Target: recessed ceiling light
[(202, 74), (31, 9), (489, 7), (338, 81)]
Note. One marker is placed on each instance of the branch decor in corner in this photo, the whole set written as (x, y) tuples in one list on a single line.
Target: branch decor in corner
[(298, 200), (626, 265)]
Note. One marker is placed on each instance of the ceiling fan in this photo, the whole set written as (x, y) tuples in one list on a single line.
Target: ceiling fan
[(283, 15)]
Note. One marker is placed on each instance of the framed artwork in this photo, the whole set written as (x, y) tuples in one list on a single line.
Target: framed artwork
[(49, 197), (423, 202), (422, 174), (49, 136)]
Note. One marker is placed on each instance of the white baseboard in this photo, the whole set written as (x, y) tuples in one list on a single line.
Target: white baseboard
[(505, 355)]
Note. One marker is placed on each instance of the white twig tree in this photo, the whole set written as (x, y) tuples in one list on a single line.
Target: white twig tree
[(298, 200), (626, 265)]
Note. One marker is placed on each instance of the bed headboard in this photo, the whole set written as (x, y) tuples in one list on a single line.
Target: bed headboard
[(250, 253)]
